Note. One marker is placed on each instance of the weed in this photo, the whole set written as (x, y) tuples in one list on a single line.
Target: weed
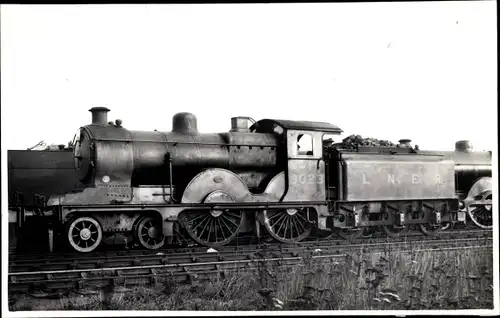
[(394, 280)]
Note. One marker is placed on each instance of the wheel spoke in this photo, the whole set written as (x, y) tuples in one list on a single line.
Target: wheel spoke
[(210, 232), (288, 226), (283, 215), (149, 233), (302, 224), (275, 215), (225, 217), (481, 216), (283, 225), (216, 228), (84, 234), (221, 228), (191, 220), (303, 218), (295, 222), (203, 230), (227, 226), (278, 231), (232, 214), (205, 219)]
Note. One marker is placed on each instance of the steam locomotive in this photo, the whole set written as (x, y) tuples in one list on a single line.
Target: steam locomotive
[(284, 177)]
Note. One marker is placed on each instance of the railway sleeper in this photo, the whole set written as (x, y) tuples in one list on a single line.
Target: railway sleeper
[(80, 284), (117, 281), (192, 278)]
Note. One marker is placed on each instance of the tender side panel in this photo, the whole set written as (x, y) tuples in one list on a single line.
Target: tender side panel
[(40, 172), (31, 159), (379, 179)]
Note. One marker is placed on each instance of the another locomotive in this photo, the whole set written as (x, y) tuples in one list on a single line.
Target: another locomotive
[(33, 176), (277, 174)]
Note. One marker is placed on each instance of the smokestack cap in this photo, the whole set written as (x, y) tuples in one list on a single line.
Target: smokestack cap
[(99, 115), (185, 123)]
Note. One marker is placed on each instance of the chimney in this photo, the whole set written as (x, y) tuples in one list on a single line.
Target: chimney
[(99, 115)]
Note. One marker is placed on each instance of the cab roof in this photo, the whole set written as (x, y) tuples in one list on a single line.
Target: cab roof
[(269, 125)]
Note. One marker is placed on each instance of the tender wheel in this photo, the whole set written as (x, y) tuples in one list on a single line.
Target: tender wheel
[(369, 232), (287, 225), (350, 235), (393, 231), (84, 234), (480, 210), (149, 233), (431, 230), (213, 228)]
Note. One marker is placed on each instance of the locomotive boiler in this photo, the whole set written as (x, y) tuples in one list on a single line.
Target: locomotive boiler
[(274, 175), (107, 154)]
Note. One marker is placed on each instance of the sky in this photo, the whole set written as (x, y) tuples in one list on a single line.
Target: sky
[(423, 71), (426, 71)]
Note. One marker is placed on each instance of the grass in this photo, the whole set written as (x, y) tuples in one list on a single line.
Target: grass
[(454, 279)]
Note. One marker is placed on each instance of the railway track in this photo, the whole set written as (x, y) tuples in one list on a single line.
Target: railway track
[(241, 244), (54, 275), (38, 262)]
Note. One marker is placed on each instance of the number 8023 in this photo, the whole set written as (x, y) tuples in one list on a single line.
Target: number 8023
[(309, 178)]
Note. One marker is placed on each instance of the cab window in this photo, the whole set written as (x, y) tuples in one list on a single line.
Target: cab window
[(304, 145)]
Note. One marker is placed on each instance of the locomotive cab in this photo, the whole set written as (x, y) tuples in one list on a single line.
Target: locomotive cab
[(304, 164)]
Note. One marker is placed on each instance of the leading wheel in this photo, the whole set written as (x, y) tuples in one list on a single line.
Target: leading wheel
[(149, 233), (84, 234), (287, 225)]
